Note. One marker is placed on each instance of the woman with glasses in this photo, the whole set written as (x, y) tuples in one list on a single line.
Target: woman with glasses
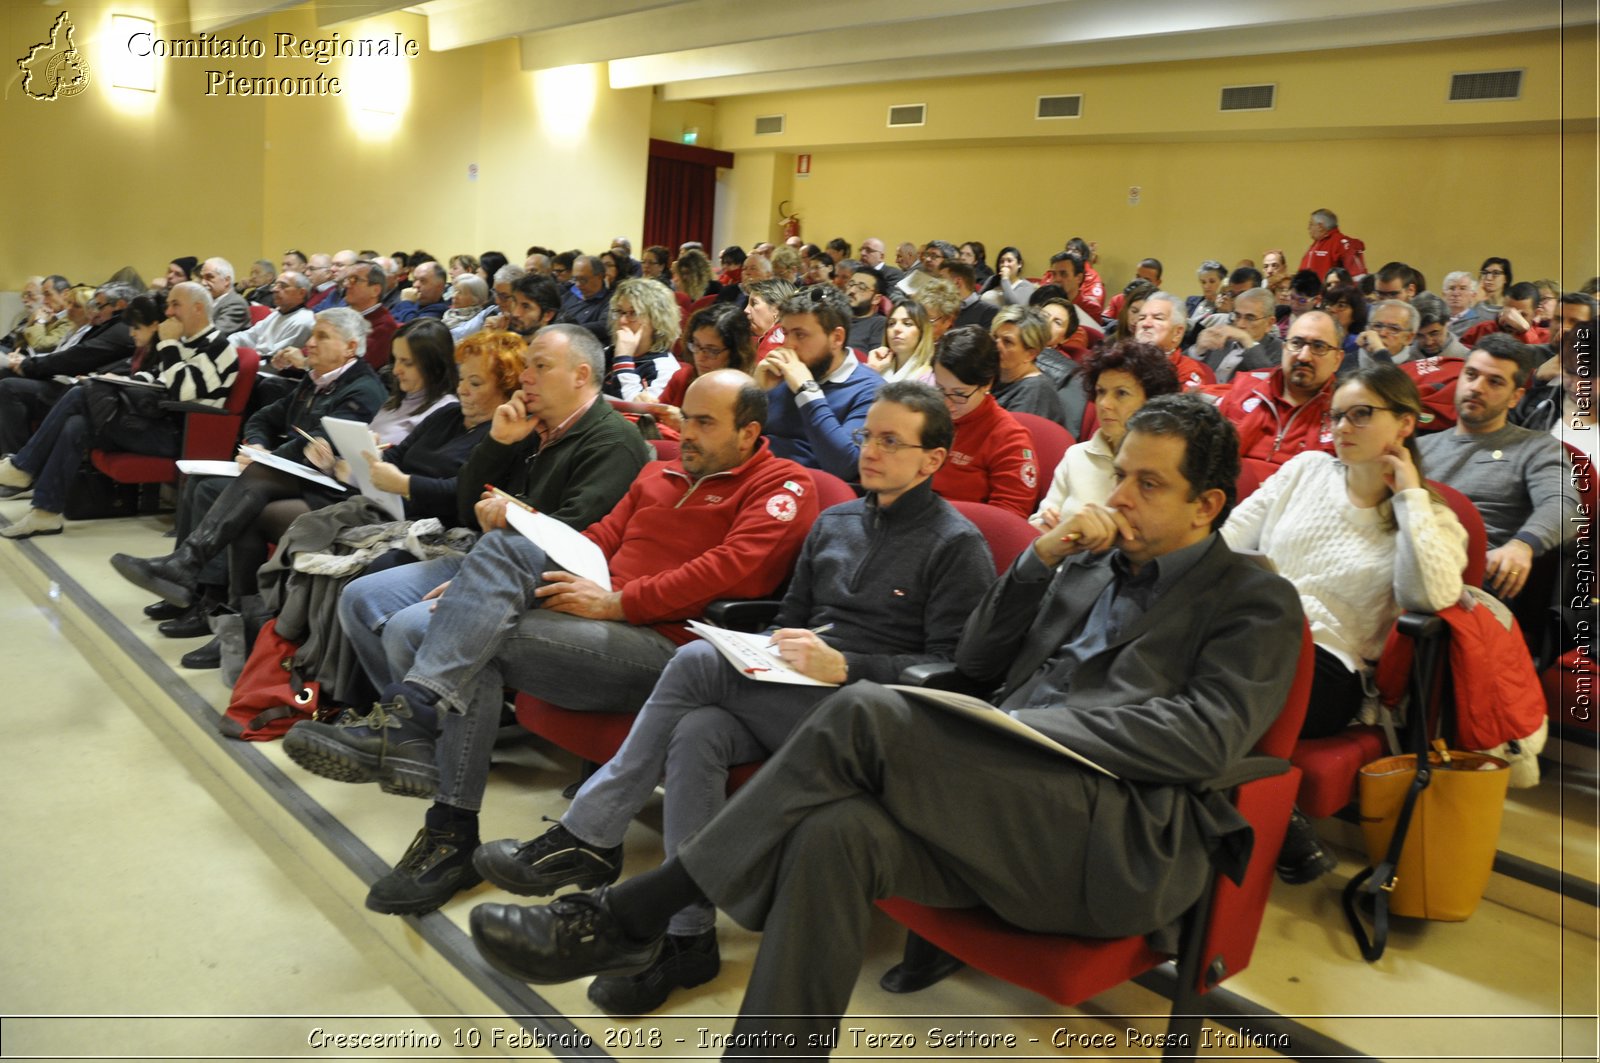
[(1119, 379), (991, 459), (719, 338), (907, 353), (1362, 538), (644, 323)]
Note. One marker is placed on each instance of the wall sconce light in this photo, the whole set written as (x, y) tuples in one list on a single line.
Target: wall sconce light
[(133, 62)]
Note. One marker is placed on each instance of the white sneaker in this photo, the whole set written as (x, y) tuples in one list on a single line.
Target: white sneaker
[(11, 476), (35, 522)]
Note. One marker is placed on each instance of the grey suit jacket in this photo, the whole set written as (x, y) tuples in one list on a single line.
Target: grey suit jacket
[(1185, 693), (230, 314)]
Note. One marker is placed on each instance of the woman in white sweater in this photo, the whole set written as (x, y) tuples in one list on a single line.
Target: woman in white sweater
[(1119, 378), (1362, 539)]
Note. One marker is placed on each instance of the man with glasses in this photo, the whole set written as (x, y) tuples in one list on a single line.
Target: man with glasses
[(592, 307), (290, 323), (822, 389), (861, 290), (1279, 413), (1391, 326), (324, 283), (1243, 340), (1436, 362), (841, 621)]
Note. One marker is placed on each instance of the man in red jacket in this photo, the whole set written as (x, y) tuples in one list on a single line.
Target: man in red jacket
[(1162, 322), (1279, 412), (724, 521), (1330, 247)]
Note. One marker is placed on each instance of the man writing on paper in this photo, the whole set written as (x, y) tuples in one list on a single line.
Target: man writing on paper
[(724, 521), (1107, 636), (893, 576)]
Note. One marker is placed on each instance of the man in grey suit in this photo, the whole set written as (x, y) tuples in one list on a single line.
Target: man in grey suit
[(1108, 637), (229, 312)]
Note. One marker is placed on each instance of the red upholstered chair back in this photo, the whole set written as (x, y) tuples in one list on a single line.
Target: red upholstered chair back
[(666, 449), (830, 489), (1007, 534), (258, 313), (1253, 472), (1477, 538), (1050, 442)]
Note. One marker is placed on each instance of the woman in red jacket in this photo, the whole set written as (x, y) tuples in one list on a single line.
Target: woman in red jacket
[(992, 458)]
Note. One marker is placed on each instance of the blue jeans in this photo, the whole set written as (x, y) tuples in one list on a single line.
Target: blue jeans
[(489, 633), (56, 451), (702, 719)]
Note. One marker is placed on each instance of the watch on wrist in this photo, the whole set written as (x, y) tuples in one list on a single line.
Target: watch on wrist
[(811, 387)]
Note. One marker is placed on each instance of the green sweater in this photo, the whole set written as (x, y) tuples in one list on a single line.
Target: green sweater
[(577, 480)]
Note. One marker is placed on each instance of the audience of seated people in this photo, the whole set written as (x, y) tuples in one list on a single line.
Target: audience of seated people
[(1333, 387)]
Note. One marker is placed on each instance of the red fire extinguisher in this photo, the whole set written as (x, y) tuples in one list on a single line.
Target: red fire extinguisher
[(791, 222)]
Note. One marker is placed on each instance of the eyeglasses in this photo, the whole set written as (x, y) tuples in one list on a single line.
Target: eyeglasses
[(886, 443), (1297, 344), (959, 396), (709, 352), (1492, 273), (1358, 416), (629, 313), (854, 287), (1249, 319), (1386, 327)]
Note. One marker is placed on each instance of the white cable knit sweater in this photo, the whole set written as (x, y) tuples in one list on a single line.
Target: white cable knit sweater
[(1354, 572)]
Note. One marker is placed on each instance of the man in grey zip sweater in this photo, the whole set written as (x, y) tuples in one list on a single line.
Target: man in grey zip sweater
[(1517, 478), (892, 577)]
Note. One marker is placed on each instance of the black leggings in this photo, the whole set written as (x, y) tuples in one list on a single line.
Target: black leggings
[(1336, 694)]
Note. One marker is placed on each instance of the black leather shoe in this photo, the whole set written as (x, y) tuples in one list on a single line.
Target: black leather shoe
[(166, 577), (436, 867), (568, 938), (162, 610), (207, 656), (553, 860), (685, 962), (1302, 858), (190, 623), (386, 746)]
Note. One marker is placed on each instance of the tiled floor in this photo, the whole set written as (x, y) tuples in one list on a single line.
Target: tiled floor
[(156, 870)]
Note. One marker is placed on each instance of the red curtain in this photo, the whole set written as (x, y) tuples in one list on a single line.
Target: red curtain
[(680, 194)]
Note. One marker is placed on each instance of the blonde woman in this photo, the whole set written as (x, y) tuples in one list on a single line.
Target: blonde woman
[(645, 323), (907, 353)]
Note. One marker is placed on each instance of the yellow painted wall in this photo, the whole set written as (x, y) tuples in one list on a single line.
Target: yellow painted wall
[(1367, 134), (114, 177), (110, 178), (1439, 203)]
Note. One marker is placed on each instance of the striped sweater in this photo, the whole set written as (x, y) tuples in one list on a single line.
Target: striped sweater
[(196, 368)]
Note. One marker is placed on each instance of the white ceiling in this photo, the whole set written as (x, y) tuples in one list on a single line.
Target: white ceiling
[(701, 49)]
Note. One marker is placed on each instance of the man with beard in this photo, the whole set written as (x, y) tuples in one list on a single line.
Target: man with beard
[(1280, 412), (1517, 478), (866, 324), (822, 391)]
